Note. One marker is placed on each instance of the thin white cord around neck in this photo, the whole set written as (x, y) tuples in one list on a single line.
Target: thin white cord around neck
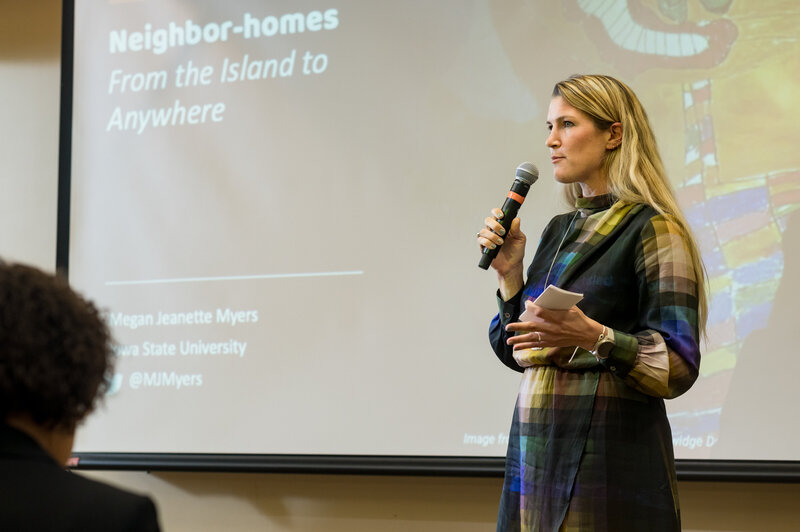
[(547, 278)]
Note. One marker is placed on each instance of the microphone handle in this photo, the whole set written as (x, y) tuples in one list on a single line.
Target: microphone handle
[(510, 209)]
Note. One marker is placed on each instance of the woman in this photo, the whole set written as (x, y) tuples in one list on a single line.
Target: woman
[(590, 444)]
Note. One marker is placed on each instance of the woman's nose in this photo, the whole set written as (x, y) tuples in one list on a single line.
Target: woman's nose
[(552, 140)]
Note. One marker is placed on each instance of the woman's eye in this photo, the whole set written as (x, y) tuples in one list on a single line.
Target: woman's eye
[(567, 123)]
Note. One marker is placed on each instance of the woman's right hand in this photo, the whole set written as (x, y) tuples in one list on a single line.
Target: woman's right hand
[(509, 258)]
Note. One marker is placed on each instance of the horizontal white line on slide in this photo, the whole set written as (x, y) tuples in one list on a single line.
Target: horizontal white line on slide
[(234, 278)]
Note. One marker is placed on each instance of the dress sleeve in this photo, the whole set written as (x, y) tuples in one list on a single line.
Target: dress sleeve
[(663, 359), (509, 312)]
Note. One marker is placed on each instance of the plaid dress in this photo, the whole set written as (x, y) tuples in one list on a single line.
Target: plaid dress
[(590, 445)]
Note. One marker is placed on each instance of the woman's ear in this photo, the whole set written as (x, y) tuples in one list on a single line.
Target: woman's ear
[(615, 139)]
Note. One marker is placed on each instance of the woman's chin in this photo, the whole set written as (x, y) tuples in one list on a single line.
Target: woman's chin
[(561, 178)]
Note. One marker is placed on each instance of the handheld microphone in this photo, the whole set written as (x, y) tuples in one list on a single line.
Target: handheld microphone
[(527, 174)]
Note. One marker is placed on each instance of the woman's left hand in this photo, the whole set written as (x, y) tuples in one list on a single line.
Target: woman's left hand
[(554, 328)]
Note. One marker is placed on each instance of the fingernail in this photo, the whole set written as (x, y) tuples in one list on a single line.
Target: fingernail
[(492, 246), (501, 241), (501, 231)]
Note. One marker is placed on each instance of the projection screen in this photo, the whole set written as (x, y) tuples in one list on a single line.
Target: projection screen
[(275, 203)]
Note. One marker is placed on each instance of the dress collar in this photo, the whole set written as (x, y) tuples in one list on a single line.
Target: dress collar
[(594, 204)]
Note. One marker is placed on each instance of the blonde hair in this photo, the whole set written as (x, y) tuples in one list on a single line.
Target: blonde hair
[(634, 171)]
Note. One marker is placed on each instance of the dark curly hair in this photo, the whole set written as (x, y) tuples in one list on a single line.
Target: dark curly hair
[(56, 353)]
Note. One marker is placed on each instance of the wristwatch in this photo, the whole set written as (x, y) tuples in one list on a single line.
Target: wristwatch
[(604, 344)]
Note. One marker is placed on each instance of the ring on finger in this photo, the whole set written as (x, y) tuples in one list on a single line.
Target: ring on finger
[(539, 336), (478, 234)]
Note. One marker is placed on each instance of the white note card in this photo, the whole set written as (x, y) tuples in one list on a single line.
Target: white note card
[(555, 298)]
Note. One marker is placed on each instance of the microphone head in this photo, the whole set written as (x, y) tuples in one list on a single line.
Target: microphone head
[(527, 173)]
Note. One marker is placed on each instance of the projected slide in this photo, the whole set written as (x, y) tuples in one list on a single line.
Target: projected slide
[(275, 204)]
